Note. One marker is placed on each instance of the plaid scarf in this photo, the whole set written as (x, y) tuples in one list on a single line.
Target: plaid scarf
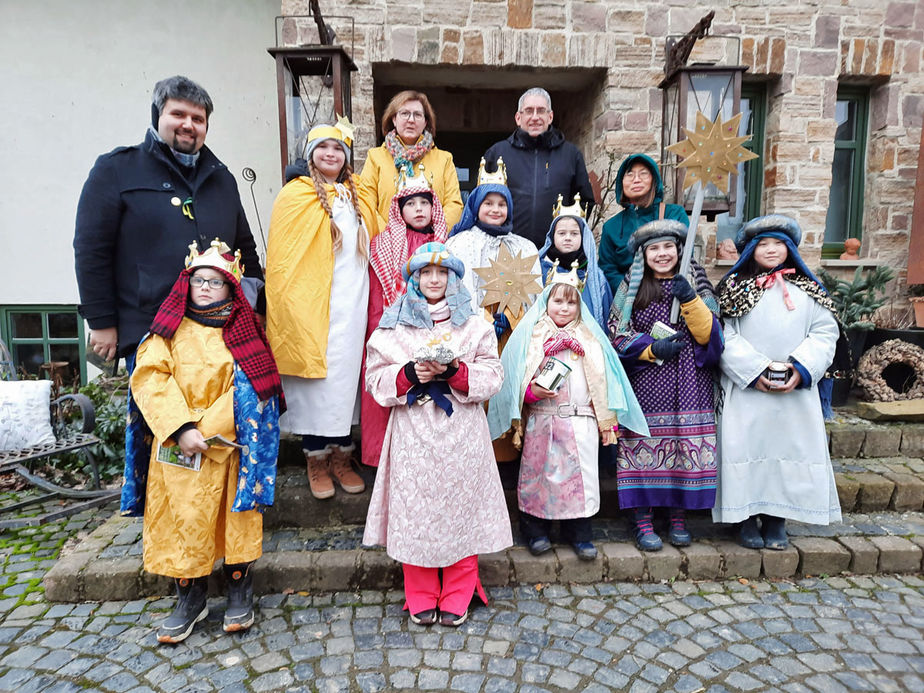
[(242, 334), (388, 250), (560, 341), (405, 156)]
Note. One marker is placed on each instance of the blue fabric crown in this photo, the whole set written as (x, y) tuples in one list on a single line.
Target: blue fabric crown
[(412, 308)]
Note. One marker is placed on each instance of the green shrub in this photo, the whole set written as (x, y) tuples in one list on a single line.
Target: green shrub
[(856, 301), (108, 396)]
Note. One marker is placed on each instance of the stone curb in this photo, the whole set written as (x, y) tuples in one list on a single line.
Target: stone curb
[(870, 439), (82, 576), (894, 488), (862, 486)]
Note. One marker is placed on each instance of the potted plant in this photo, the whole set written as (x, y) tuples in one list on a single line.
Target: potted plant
[(855, 302), (894, 322), (916, 296)]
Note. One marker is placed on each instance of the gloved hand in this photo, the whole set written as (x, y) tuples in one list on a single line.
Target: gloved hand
[(668, 347), (681, 288), (501, 324)]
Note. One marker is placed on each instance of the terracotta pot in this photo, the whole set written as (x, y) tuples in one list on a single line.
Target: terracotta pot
[(918, 303)]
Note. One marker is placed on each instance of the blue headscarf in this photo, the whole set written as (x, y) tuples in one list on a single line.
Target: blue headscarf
[(505, 406), (411, 308), (777, 226), (597, 293), (472, 204)]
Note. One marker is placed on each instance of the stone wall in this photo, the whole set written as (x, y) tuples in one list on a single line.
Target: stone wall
[(801, 50)]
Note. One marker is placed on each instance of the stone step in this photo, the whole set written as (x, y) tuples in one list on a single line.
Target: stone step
[(863, 485), (850, 436), (107, 564)]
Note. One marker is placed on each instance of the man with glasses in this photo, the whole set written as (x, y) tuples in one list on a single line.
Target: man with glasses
[(541, 165), (140, 209)]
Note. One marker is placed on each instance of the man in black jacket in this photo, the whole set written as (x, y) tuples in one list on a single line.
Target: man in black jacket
[(541, 165), (140, 209)]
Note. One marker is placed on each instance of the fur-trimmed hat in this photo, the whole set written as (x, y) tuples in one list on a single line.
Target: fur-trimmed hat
[(772, 222), (656, 231), (433, 254)]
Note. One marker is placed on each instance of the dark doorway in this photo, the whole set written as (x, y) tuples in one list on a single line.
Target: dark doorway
[(467, 149)]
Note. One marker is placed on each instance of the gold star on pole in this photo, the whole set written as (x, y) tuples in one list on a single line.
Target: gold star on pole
[(509, 281), (712, 151), (346, 129)]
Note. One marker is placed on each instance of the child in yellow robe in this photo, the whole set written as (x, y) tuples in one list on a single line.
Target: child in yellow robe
[(205, 370)]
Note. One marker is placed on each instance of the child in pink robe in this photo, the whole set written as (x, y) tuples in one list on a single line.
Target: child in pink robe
[(437, 501)]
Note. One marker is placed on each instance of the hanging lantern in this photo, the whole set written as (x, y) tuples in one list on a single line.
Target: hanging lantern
[(312, 87), (711, 89)]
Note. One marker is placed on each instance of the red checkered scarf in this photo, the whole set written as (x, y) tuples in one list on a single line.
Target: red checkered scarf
[(560, 341), (242, 334), (388, 250)]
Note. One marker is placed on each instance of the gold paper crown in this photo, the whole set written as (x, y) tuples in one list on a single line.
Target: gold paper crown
[(418, 181), (213, 258), (570, 278), (573, 210), (499, 177)]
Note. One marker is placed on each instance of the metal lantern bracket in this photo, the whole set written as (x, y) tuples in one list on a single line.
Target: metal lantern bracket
[(332, 64)]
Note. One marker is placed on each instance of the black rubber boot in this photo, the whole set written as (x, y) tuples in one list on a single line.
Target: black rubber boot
[(749, 534), (191, 607), (774, 530), (239, 614)]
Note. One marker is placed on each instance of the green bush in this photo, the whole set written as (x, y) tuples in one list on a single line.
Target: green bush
[(856, 301), (108, 396)]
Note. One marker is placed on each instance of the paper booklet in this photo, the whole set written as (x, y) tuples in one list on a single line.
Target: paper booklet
[(661, 330), (221, 442), (174, 456)]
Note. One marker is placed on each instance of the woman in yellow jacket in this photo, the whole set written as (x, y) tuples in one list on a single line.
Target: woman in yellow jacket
[(317, 289), (409, 125)]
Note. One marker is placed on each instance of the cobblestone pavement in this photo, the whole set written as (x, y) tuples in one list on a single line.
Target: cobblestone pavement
[(824, 634)]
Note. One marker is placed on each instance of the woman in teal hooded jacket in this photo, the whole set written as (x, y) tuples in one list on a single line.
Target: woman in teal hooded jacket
[(640, 193)]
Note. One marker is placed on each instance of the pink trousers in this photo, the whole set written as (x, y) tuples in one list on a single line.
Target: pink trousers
[(422, 589)]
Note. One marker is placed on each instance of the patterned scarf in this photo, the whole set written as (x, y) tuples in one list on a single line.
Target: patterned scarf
[(213, 315), (388, 250), (738, 298), (241, 332), (560, 341), (405, 156)]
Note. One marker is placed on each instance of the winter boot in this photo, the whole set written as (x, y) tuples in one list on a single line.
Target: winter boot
[(239, 614), (341, 467), (775, 532), (645, 537), (679, 535), (322, 486), (191, 607), (749, 534)]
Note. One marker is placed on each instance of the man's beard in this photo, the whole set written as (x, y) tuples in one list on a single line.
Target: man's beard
[(182, 147)]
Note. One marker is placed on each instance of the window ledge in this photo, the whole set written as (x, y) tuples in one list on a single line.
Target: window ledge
[(861, 262)]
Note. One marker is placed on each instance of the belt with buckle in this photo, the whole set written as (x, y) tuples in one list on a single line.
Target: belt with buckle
[(565, 410)]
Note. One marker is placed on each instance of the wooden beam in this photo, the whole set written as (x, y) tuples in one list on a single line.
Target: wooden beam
[(916, 244)]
